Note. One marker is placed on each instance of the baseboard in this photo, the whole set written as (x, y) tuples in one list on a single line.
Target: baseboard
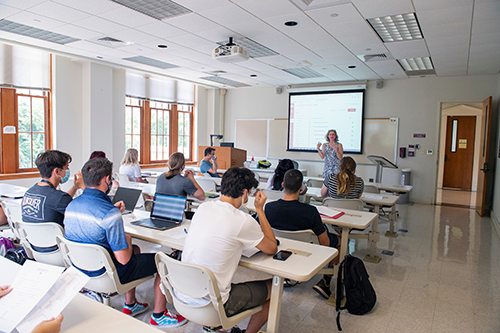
[(496, 223)]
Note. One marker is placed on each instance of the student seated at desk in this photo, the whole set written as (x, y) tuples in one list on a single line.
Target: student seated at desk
[(101, 154), (172, 182), (218, 235), (92, 219), (47, 326), (43, 202), (209, 163), (291, 214), (345, 184), (275, 182), (130, 166)]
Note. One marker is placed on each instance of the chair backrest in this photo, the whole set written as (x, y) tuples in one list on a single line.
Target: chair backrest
[(354, 204), (371, 189), (273, 195), (314, 183), (91, 257), (295, 164), (208, 185), (256, 175), (125, 179), (40, 241), (206, 175), (12, 213), (307, 235), (196, 281)]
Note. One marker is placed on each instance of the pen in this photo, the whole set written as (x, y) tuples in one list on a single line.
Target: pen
[(185, 230)]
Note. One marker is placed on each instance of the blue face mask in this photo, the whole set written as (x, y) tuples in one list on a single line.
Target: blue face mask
[(66, 177)]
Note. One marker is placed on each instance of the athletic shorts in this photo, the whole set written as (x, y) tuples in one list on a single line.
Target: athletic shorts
[(244, 296), (139, 266), (334, 240)]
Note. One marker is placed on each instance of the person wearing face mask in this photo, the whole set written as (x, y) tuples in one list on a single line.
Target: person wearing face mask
[(332, 151), (219, 233), (43, 202), (91, 218)]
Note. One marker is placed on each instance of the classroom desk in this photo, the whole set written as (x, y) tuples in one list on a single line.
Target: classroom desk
[(352, 219), (12, 191), (84, 315), (392, 187), (308, 259), (374, 199)]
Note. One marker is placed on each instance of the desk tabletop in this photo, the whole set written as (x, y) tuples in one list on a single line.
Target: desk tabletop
[(12, 191), (307, 260), (371, 198), (352, 219), (392, 187)]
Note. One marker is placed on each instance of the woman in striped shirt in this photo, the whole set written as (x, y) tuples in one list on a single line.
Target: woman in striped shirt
[(345, 184)]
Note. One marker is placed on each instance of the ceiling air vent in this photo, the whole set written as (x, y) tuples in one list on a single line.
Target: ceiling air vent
[(110, 39), (374, 57)]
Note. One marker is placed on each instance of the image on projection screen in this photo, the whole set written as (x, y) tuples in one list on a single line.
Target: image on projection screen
[(312, 114)]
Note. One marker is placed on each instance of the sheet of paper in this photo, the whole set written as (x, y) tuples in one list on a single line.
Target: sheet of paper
[(179, 232), (250, 252), (372, 196), (56, 299), (30, 285), (330, 212)]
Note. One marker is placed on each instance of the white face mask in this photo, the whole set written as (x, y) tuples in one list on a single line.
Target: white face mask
[(243, 201)]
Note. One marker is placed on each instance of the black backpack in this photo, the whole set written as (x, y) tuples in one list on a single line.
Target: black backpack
[(359, 293)]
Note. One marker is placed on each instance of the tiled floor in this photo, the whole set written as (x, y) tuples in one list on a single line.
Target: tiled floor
[(456, 198), (444, 276)]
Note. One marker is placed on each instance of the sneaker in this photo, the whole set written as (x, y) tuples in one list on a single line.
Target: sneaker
[(168, 320), (236, 329), (323, 289), (135, 310), (207, 329)]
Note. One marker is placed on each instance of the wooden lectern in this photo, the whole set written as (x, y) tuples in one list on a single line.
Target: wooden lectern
[(226, 156)]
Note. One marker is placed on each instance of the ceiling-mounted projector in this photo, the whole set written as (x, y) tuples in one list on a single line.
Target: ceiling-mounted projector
[(230, 52)]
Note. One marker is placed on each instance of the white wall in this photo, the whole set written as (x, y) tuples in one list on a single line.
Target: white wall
[(415, 101)]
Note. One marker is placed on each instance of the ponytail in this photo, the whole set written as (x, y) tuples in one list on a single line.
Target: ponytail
[(346, 178)]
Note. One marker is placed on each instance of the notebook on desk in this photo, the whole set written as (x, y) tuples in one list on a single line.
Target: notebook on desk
[(129, 196), (167, 212)]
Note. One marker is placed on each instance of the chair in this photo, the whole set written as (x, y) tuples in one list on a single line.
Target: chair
[(36, 237), (257, 176), (307, 236), (207, 185), (273, 195), (125, 179), (295, 164), (91, 257), (354, 204), (13, 214), (197, 282), (314, 183), (370, 189)]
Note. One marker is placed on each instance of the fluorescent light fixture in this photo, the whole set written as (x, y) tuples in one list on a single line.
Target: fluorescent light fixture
[(158, 9), (303, 72), (151, 62), (417, 66), (223, 80), (255, 49), (397, 28), (29, 31)]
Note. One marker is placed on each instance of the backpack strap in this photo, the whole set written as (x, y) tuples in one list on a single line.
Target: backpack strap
[(339, 294)]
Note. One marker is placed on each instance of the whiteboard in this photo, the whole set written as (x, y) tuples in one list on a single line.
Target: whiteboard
[(268, 138)]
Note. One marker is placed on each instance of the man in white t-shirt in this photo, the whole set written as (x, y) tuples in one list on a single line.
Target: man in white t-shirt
[(218, 235)]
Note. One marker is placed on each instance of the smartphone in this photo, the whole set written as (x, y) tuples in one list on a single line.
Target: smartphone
[(211, 196), (282, 255)]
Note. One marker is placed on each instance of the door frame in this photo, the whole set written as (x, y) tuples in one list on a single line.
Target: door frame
[(458, 110)]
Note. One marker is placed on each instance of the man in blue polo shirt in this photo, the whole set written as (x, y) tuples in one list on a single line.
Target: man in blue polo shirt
[(209, 163), (93, 219)]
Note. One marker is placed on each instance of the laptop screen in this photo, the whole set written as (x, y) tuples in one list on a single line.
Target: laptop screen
[(167, 206), (129, 196)]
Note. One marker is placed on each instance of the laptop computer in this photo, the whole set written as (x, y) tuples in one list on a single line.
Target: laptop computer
[(129, 196), (167, 212)]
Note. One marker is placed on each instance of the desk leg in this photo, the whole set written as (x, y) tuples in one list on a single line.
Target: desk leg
[(373, 238), (392, 222), (275, 305)]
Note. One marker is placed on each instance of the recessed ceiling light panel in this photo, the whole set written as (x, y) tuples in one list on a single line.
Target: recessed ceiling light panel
[(151, 62), (223, 80), (417, 66), (397, 28), (303, 72), (158, 9), (26, 30)]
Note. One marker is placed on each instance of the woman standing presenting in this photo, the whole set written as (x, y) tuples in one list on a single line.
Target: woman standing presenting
[(332, 152)]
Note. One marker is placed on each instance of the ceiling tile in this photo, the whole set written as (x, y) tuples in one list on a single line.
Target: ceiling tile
[(6, 11), (227, 15), (99, 24), (192, 22), (424, 5), (24, 4), (346, 13), (93, 7), (446, 16), (59, 12), (380, 8), (217, 34), (134, 36), (127, 17), (359, 43), (265, 9), (161, 29), (487, 11), (35, 20), (197, 5), (76, 32), (451, 71), (408, 49)]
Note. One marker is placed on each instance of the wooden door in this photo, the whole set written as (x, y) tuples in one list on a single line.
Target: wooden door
[(483, 157), (459, 154)]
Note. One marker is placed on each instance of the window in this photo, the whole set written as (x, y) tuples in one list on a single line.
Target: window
[(31, 108), (158, 129), (185, 118), (25, 120), (133, 115)]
